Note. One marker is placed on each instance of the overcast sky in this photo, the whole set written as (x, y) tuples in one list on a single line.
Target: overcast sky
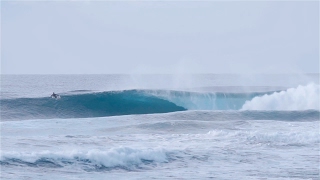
[(159, 37)]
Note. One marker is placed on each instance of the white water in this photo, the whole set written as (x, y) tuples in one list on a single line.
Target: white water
[(160, 146), (198, 144), (300, 98)]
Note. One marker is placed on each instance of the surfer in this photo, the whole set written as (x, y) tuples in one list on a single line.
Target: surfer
[(55, 95)]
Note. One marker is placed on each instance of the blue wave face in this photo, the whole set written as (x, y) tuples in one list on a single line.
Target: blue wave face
[(86, 105), (127, 102), (114, 103)]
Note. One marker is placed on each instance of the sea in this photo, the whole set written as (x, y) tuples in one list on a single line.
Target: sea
[(160, 126)]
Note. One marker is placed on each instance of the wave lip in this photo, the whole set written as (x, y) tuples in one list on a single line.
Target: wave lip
[(205, 100), (300, 98), (116, 158)]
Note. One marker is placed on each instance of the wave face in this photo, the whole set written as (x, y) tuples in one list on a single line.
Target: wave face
[(300, 98), (86, 105), (113, 103)]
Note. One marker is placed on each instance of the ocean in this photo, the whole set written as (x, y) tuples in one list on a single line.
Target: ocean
[(184, 126)]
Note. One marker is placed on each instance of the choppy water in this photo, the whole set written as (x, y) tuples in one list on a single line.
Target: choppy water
[(160, 126)]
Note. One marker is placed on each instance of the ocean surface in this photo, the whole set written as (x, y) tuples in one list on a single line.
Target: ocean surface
[(204, 126)]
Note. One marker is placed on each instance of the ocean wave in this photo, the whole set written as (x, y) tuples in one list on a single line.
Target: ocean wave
[(116, 158), (300, 98), (114, 103), (111, 103)]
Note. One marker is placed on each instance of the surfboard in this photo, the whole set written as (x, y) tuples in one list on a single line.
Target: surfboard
[(58, 97)]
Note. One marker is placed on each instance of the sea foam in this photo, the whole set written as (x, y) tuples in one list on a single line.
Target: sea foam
[(300, 98), (123, 157)]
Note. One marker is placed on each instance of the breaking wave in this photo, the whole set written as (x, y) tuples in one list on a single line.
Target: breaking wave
[(114, 103), (300, 98), (92, 160), (101, 104)]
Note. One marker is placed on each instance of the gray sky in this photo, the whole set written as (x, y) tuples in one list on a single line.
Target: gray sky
[(159, 37)]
